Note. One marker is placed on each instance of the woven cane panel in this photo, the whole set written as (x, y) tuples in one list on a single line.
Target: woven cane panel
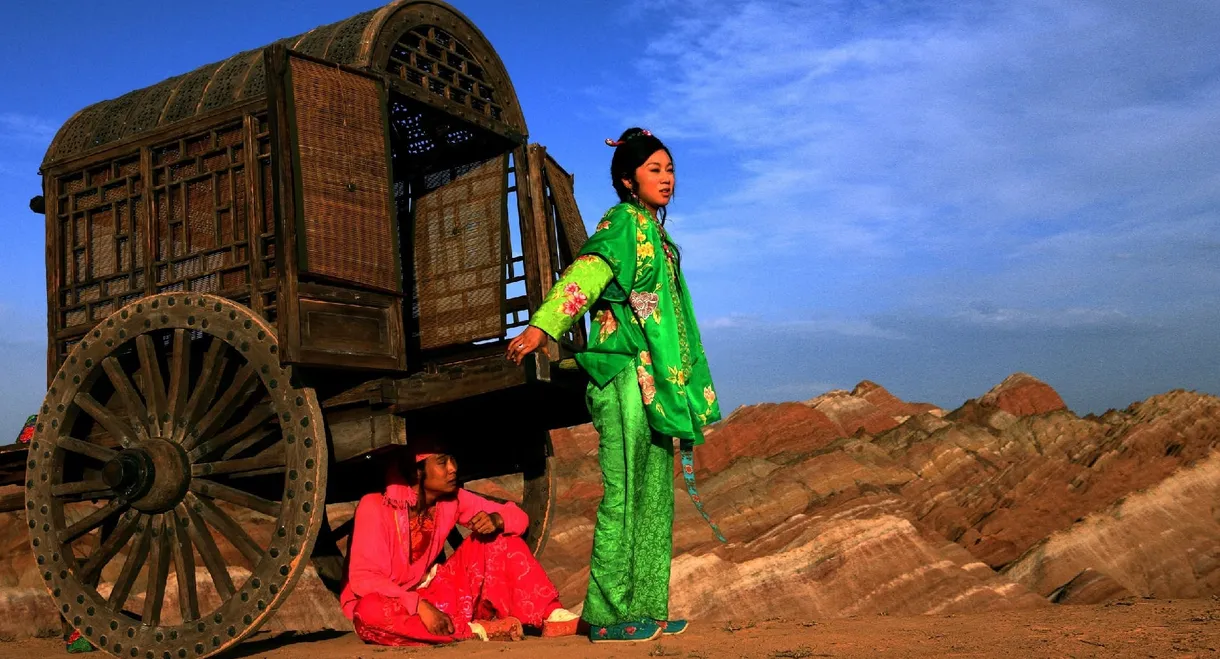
[(567, 213), (344, 176), (459, 248), (100, 235)]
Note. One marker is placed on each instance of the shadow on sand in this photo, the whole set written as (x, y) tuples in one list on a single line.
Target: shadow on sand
[(262, 643)]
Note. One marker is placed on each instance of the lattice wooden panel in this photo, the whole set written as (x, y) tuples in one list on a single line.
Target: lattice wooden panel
[(199, 202), (203, 239), (459, 257), (264, 225), (100, 217), (344, 176), (434, 60)]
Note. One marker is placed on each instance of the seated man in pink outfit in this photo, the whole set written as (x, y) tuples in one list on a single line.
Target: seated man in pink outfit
[(395, 593)]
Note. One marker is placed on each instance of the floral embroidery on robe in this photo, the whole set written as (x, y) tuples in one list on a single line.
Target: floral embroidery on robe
[(640, 304)]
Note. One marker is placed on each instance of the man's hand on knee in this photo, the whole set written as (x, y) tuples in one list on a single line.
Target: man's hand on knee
[(434, 619)]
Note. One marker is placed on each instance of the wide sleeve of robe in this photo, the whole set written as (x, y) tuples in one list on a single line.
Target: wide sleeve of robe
[(570, 298)]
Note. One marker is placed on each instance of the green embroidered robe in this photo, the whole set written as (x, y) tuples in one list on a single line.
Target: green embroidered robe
[(642, 319)]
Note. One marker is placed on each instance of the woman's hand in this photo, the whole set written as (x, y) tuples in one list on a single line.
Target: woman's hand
[(525, 343), (434, 619)]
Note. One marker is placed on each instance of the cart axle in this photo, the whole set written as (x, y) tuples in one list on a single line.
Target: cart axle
[(154, 475)]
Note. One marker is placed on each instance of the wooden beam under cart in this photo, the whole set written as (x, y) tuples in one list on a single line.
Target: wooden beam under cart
[(442, 383)]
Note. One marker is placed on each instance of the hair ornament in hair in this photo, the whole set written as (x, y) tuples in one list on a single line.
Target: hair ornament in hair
[(617, 143)]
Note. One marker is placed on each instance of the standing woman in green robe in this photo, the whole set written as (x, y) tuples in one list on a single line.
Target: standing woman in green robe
[(648, 385)]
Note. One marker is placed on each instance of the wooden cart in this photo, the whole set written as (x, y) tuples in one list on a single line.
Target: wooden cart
[(260, 276)]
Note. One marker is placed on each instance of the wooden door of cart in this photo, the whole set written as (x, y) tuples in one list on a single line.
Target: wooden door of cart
[(262, 276)]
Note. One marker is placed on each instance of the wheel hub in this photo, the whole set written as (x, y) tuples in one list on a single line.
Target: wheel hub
[(153, 475), (130, 474)]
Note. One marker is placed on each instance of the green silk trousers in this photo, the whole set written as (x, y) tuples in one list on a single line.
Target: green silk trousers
[(633, 537)]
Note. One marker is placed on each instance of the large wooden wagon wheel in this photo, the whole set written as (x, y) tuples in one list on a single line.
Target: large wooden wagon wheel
[(173, 441), (530, 484)]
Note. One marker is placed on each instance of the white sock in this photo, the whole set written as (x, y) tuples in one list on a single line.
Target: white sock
[(477, 630), (561, 615)]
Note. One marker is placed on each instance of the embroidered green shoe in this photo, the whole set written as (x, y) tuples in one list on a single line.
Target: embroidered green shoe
[(672, 627), (625, 632)]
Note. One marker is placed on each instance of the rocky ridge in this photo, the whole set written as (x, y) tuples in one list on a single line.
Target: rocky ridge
[(856, 502)]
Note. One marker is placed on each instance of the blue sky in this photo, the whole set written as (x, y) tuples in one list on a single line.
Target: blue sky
[(929, 195)]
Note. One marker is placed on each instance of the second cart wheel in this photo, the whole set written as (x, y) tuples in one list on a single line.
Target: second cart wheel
[(530, 485), (173, 426)]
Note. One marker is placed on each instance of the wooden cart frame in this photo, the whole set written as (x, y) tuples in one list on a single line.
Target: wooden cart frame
[(261, 276)]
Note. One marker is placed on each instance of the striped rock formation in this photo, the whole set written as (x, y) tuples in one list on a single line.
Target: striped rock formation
[(857, 503)]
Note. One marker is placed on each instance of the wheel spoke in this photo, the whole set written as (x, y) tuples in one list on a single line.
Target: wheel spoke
[(131, 568), (230, 401), (125, 390), (153, 384), (253, 440), (93, 520), (97, 487), (158, 571), (268, 459), (257, 417), (109, 548), (89, 449), (215, 490), (231, 530), (118, 428), (205, 386), (184, 565), (179, 372), (207, 548)]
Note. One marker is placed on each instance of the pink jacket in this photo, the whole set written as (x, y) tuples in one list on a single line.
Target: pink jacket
[(379, 563)]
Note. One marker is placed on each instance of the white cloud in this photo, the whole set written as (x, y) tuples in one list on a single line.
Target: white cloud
[(862, 128), (26, 128), (847, 327), (990, 316)]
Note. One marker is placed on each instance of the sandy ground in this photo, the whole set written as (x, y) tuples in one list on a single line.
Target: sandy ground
[(1146, 628)]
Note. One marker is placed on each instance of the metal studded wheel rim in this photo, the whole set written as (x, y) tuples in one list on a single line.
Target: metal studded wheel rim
[(245, 429)]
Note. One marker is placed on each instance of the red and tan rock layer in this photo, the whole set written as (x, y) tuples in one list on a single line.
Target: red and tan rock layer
[(860, 503), (856, 502)]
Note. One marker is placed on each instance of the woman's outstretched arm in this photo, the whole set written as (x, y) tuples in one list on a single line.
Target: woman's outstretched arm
[(569, 299)]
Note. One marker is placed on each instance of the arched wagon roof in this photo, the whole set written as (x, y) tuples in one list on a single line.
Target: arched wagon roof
[(436, 54)]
